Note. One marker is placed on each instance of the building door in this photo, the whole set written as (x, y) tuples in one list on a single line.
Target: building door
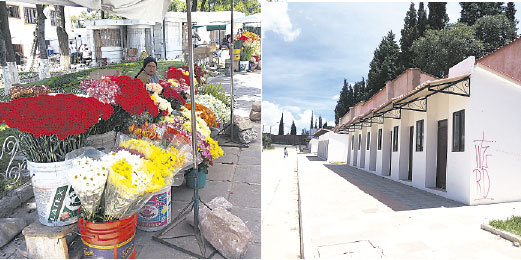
[(390, 152), (441, 162), (411, 136)]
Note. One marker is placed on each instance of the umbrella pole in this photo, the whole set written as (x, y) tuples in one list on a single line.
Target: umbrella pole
[(194, 204), (231, 76)]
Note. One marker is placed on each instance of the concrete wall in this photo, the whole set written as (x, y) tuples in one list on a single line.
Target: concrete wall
[(492, 140), (507, 60), (337, 150), (313, 145)]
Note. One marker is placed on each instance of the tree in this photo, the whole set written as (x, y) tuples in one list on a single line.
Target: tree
[(494, 31), (325, 125), (281, 125), (510, 13), (63, 37), (471, 12), (8, 62), (316, 124), (177, 6), (311, 126), (438, 17), (293, 130), (320, 122), (422, 20), (409, 35), (342, 105), (383, 67), (44, 61), (441, 49)]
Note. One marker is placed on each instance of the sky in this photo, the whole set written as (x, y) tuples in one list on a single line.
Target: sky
[(309, 48)]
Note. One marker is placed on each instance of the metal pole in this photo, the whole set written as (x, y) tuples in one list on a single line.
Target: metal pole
[(231, 75), (192, 100)]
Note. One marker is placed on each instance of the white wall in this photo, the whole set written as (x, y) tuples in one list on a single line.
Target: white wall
[(337, 151), (361, 161), (403, 143), (395, 155), (437, 109), (493, 116), (349, 161), (174, 41), (382, 160), (373, 147), (419, 157), (355, 150), (313, 143)]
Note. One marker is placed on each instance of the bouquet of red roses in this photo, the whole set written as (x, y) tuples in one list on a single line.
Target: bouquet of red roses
[(52, 126)]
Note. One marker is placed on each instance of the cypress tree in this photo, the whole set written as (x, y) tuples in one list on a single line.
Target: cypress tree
[(342, 105), (281, 125), (409, 35), (311, 126), (510, 13), (383, 67), (438, 17), (320, 122), (293, 129), (422, 20)]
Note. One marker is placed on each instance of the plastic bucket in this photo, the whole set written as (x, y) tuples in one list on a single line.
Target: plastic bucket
[(243, 65), (236, 54), (201, 180), (111, 240), (156, 213), (56, 201)]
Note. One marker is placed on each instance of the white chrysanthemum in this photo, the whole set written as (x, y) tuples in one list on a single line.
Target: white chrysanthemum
[(221, 111)]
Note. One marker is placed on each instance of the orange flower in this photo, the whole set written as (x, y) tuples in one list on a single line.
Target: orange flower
[(206, 114)]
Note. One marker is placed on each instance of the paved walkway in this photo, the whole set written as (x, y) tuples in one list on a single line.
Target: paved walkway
[(350, 213), (280, 219)]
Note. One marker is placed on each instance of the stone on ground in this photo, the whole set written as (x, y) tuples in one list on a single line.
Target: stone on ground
[(226, 232), (255, 116), (10, 228), (217, 202), (256, 107)]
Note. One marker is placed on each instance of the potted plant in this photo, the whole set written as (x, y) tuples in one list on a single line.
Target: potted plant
[(48, 128)]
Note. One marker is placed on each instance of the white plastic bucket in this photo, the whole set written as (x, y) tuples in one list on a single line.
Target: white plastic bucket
[(156, 213), (56, 201)]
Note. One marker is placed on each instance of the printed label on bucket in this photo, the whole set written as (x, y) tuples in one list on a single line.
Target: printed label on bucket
[(156, 212), (124, 250)]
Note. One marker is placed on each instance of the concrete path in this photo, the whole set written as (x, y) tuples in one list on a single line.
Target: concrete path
[(247, 88), (349, 213), (280, 219)]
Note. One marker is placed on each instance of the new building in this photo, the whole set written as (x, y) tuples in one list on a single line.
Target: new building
[(456, 137)]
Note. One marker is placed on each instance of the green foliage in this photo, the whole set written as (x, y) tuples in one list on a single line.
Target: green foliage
[(311, 126), (266, 140), (246, 53), (471, 11), (382, 68), (281, 125), (510, 13), (409, 35), (293, 130), (422, 20), (215, 90), (319, 121), (494, 31), (343, 103), (177, 6), (512, 225), (438, 17), (441, 49)]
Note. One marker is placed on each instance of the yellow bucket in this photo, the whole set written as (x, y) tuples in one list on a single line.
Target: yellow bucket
[(236, 54)]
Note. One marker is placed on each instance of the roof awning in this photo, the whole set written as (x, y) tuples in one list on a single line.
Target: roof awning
[(415, 100), (215, 27)]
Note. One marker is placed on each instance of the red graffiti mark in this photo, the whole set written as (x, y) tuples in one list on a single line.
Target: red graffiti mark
[(481, 170)]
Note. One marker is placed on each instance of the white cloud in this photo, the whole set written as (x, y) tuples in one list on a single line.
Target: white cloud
[(335, 97), (271, 114), (275, 18)]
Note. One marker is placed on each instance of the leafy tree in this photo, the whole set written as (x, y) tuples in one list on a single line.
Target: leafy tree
[(342, 105), (311, 126), (471, 11), (293, 130), (409, 35), (422, 20), (495, 31), (382, 68), (281, 125), (510, 13), (441, 49), (177, 6), (438, 17)]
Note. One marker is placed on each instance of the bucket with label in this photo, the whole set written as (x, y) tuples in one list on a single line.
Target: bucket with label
[(56, 201), (156, 213), (112, 240)]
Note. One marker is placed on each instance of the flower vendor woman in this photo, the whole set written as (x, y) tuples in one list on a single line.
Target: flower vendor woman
[(148, 73)]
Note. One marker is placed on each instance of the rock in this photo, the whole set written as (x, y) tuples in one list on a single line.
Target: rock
[(48, 242), (248, 136), (256, 107), (255, 116), (242, 123), (15, 199), (10, 228), (226, 232), (217, 202)]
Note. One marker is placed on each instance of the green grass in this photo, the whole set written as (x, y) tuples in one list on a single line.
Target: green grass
[(512, 225), (72, 80)]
